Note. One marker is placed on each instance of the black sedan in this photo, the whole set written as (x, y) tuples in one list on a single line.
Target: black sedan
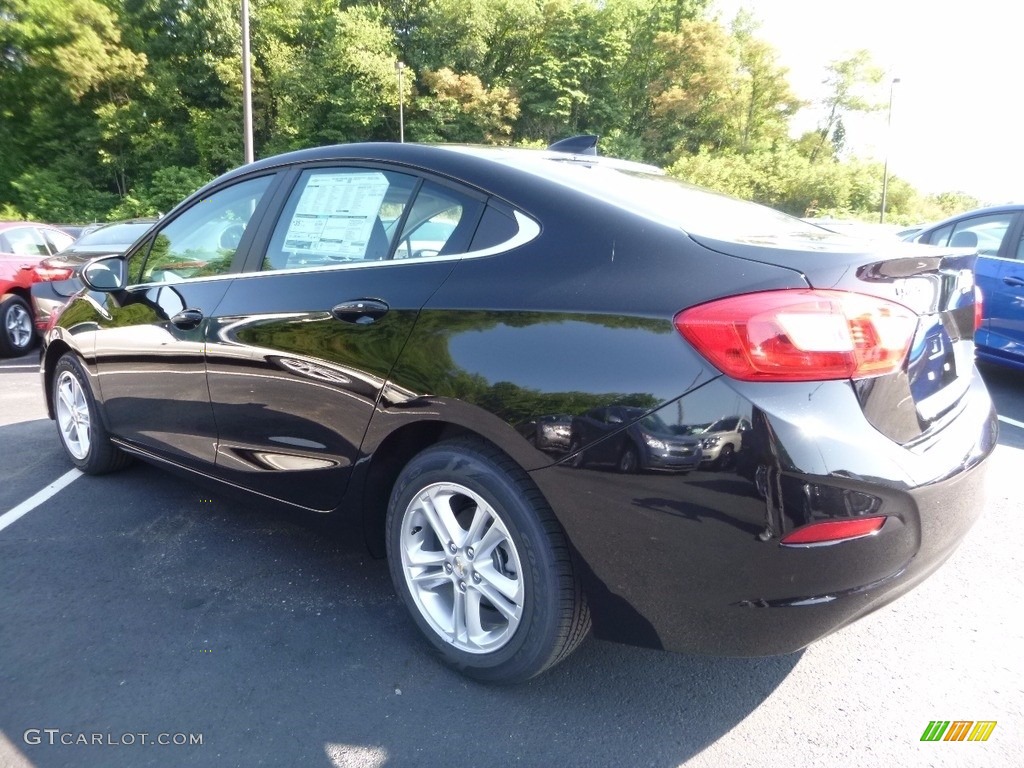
[(285, 332), (57, 276)]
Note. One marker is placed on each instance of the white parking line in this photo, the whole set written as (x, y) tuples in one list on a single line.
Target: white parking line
[(1011, 422), (34, 501)]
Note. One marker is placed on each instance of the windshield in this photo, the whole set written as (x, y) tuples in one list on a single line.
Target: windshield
[(723, 425), (115, 234), (653, 423)]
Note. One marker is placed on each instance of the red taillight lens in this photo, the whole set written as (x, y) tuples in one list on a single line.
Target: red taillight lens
[(834, 530), (979, 307), (49, 274), (800, 335)]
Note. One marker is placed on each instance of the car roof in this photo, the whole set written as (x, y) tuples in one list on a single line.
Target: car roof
[(12, 224), (528, 177)]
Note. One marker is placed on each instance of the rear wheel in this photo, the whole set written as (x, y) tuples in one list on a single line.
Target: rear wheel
[(482, 565), (17, 335), (82, 434)]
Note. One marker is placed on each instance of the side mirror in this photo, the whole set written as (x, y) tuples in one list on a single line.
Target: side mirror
[(105, 274)]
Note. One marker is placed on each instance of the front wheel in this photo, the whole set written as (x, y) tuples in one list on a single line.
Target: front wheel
[(17, 334), (629, 463), (82, 434), (482, 565)]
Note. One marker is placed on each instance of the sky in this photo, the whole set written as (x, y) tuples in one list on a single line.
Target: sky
[(956, 116)]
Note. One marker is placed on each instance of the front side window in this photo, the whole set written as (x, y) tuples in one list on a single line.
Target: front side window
[(982, 232), (203, 240), (26, 241)]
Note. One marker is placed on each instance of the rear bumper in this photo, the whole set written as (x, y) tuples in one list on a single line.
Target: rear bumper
[(694, 563)]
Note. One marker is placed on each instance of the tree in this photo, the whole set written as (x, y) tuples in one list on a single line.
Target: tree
[(459, 108), (63, 63), (850, 82), (694, 101), (762, 88)]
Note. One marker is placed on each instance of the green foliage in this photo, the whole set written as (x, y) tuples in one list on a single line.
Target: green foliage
[(458, 108), (120, 108), (47, 195), (171, 185)]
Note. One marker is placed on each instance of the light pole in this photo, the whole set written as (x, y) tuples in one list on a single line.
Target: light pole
[(246, 84), (399, 68), (888, 142)]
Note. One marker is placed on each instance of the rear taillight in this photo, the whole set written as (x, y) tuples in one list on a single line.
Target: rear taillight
[(979, 307), (49, 274), (800, 335), (833, 531)]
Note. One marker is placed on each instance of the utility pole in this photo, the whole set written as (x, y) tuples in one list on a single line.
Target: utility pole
[(246, 84), (399, 69), (888, 143)]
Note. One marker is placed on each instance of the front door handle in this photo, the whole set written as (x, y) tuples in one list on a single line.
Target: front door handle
[(187, 319), (360, 311), (1015, 282)]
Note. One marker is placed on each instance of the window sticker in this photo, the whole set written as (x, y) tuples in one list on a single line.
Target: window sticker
[(336, 214)]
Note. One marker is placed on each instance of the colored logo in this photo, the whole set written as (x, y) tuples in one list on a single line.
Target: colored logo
[(958, 730)]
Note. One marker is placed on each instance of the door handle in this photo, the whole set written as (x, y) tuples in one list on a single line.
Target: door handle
[(1015, 282), (187, 319), (360, 311)]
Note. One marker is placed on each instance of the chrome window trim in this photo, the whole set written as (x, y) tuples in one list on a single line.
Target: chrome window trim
[(528, 230)]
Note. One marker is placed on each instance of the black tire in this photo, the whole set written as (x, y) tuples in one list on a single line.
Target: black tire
[(96, 455), (577, 460), (629, 461), (726, 456), (554, 616), (17, 329)]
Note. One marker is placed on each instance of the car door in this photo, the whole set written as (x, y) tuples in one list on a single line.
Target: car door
[(303, 342), (987, 233), (1005, 301), (149, 345)]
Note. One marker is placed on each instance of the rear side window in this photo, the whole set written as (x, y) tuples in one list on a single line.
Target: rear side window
[(441, 222), (58, 240), (496, 227), (339, 215)]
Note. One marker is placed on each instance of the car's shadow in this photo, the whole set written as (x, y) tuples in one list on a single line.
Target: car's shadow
[(1005, 386), (139, 603)]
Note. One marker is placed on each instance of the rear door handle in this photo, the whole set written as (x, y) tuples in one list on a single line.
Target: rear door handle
[(360, 311), (1016, 282), (187, 319)]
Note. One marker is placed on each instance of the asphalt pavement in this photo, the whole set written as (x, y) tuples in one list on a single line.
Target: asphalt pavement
[(140, 608)]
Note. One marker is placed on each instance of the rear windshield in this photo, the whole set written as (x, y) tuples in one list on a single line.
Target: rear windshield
[(697, 211), (661, 198)]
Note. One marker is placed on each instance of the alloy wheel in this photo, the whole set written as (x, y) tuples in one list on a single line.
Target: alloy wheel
[(73, 418), (462, 568), (18, 325)]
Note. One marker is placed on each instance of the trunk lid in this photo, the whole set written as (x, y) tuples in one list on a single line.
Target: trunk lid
[(936, 283)]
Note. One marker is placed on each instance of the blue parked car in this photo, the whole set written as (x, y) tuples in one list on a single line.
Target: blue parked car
[(998, 234)]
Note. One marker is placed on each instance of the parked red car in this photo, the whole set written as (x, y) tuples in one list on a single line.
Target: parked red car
[(22, 246)]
